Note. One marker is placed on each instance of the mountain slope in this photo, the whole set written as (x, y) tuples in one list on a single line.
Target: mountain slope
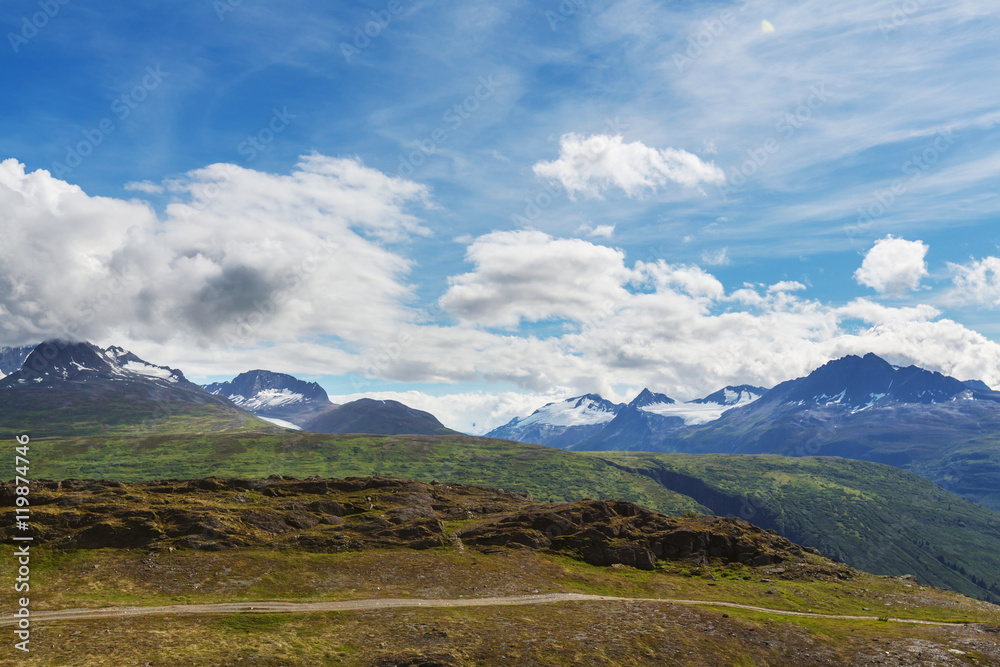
[(76, 389), (276, 397), (368, 415), (850, 508), (560, 424), (863, 408), (636, 426), (874, 517), (11, 358), (733, 395)]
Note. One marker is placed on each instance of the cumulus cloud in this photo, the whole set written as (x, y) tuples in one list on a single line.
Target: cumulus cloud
[(531, 276), (595, 164), (893, 266), (976, 283), (297, 271), (876, 313), (239, 257)]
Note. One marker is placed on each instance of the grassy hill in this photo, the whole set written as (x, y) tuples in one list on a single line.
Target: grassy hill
[(366, 541), (952, 444), (872, 516), (119, 411), (875, 517), (547, 474)]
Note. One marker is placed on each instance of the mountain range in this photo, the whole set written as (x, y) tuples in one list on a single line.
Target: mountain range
[(64, 388), (91, 410), (292, 403), (590, 422), (941, 428)]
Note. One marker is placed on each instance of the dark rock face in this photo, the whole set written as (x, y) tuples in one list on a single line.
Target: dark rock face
[(377, 513), (609, 532)]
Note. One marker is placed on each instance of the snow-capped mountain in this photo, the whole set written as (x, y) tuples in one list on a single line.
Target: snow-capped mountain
[(866, 408), (562, 423), (711, 407), (732, 396), (55, 362), (287, 401), (645, 417), (279, 398), (82, 389), (858, 383), (591, 422)]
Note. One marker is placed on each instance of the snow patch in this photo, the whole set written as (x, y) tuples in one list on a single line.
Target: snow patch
[(149, 370), (702, 413), (568, 413), (267, 398), (282, 423)]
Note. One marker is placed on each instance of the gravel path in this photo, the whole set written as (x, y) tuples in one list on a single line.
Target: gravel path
[(393, 603)]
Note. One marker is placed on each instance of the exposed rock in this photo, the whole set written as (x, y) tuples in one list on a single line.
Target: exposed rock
[(383, 513), (609, 532)]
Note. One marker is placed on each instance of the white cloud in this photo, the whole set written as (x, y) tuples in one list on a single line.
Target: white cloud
[(893, 266), (718, 257), (469, 412), (239, 258), (600, 231), (531, 276), (786, 286), (875, 313), (144, 186), (592, 165), (308, 248), (977, 282)]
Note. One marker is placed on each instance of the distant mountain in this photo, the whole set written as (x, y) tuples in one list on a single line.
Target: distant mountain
[(730, 396), (74, 388), (278, 398), (865, 408), (857, 383), (368, 415), (560, 424), (636, 426), (11, 358), (592, 423), (978, 385)]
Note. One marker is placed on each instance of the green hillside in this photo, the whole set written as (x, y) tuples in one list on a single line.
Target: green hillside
[(119, 412), (872, 516), (548, 474)]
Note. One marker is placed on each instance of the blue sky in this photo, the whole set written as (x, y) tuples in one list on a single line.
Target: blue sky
[(518, 201)]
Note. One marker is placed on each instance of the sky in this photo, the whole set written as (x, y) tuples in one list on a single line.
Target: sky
[(478, 208)]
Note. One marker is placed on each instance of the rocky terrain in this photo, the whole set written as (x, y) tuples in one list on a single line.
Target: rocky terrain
[(356, 514), (693, 590)]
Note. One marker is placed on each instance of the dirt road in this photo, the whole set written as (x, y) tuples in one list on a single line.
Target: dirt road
[(392, 603)]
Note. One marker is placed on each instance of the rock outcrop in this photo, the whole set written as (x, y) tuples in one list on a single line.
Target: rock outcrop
[(379, 513)]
